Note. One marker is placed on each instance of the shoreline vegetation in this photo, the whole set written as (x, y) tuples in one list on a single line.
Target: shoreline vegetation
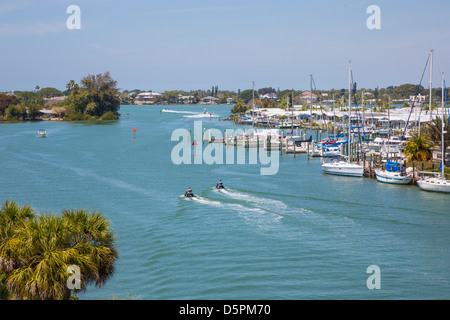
[(97, 97)]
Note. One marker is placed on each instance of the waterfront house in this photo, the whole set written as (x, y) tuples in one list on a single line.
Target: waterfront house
[(269, 96), (306, 97), (146, 98), (209, 100)]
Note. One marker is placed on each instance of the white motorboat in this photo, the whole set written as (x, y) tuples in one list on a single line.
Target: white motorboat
[(341, 166), (42, 133), (393, 174)]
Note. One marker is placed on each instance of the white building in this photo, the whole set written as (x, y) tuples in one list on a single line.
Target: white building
[(146, 98)]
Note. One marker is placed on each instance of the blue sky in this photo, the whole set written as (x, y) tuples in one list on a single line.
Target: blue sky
[(195, 44)]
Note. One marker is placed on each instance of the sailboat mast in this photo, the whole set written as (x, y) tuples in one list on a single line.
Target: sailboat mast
[(253, 104), (431, 81), (310, 100), (349, 106), (442, 128), (389, 127)]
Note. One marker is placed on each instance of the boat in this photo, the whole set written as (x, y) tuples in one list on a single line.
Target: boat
[(332, 150), (42, 133), (437, 184), (219, 185), (316, 150), (189, 193), (341, 166), (393, 173)]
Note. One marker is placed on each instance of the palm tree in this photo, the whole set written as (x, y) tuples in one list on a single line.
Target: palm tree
[(433, 131), (38, 250), (417, 148), (239, 107)]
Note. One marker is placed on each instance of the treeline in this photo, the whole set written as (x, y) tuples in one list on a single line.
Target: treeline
[(95, 97)]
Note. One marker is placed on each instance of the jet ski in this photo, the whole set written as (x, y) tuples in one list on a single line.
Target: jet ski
[(220, 186), (189, 194)]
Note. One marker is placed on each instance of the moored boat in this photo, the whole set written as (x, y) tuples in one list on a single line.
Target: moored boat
[(393, 173), (341, 166)]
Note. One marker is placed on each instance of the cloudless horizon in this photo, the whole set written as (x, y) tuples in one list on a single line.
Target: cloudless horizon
[(197, 44)]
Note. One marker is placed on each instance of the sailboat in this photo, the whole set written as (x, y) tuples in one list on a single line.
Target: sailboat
[(437, 184), (393, 172), (341, 165)]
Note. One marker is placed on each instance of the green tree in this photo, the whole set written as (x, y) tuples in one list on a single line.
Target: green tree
[(247, 95), (14, 113), (33, 111), (417, 148), (170, 97), (96, 95), (49, 92), (28, 98), (433, 131), (37, 250), (239, 107), (6, 101)]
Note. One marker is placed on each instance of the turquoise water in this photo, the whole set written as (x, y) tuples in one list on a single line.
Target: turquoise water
[(299, 234)]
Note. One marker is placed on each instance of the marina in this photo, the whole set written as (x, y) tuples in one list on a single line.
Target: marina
[(206, 152), (298, 234)]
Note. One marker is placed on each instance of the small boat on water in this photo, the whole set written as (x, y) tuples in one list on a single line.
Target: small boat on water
[(189, 193), (42, 133), (393, 174), (219, 185)]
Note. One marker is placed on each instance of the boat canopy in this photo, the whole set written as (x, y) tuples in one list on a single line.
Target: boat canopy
[(393, 166)]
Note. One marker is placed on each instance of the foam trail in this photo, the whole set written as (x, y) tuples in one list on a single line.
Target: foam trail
[(182, 112), (201, 115), (234, 194)]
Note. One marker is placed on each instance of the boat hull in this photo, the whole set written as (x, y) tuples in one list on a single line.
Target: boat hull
[(434, 184), (392, 177), (343, 169)]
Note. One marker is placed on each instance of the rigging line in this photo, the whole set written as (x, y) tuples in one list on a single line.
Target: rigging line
[(415, 97), (446, 102), (356, 105)]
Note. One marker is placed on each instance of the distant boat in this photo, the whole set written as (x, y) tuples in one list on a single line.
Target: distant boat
[(42, 133), (393, 174)]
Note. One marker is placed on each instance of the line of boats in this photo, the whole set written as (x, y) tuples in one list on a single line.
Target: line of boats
[(332, 149)]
